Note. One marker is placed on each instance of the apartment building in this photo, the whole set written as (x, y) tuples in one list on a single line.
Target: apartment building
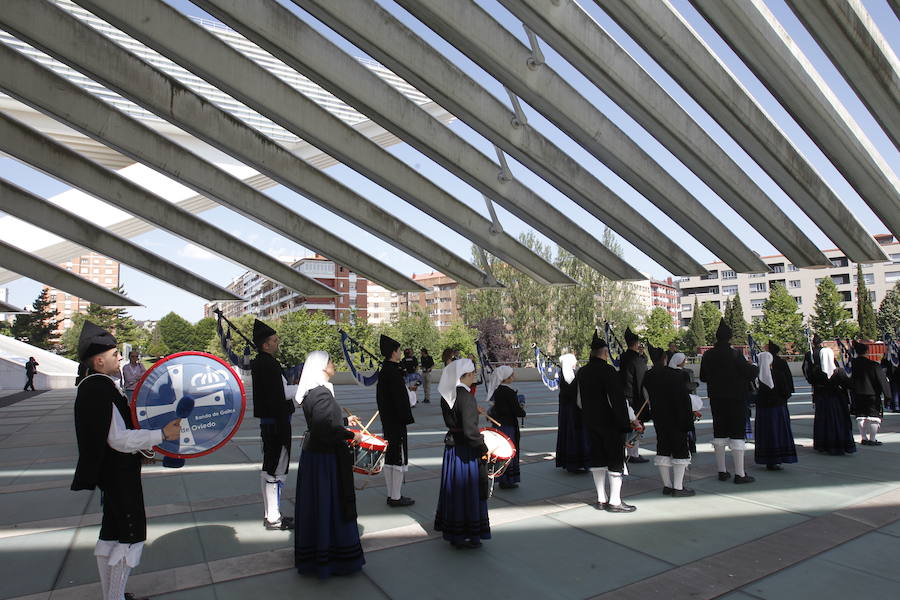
[(99, 269)]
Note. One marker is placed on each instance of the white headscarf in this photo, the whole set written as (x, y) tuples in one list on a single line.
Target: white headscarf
[(497, 377), (765, 369), (826, 361), (676, 360), (313, 375), (450, 378), (568, 362)]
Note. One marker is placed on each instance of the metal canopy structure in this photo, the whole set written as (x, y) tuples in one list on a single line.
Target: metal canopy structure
[(10, 309), (282, 118)]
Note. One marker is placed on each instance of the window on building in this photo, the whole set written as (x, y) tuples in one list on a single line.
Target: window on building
[(756, 288), (868, 278), (758, 303), (846, 296), (872, 297), (85, 260), (841, 279), (792, 268), (108, 271), (777, 268), (757, 275), (710, 275), (96, 271), (895, 258), (840, 261), (892, 276), (794, 283), (729, 275), (85, 270), (729, 290), (687, 307), (798, 300)]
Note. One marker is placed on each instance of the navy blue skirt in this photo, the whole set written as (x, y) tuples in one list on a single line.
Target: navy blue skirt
[(462, 513), (774, 438), (893, 403), (325, 543), (512, 474), (832, 427), (572, 447)]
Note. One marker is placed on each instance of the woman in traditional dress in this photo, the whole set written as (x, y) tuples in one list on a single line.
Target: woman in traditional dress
[(677, 361), (572, 450), (462, 513), (774, 438), (507, 410), (832, 427), (327, 537)]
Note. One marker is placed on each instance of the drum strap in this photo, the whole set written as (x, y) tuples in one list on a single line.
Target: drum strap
[(345, 482)]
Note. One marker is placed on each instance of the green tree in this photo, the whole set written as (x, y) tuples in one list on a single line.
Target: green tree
[(711, 316), (888, 319), (865, 312), (176, 333), (696, 332), (302, 332), (829, 318), (157, 347), (781, 322), (459, 337), (658, 328), (243, 323), (204, 331), (495, 340), (415, 330), (5, 328), (735, 319), (38, 327)]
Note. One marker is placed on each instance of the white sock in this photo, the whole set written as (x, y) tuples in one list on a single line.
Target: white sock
[(738, 455), (615, 488), (118, 577), (719, 448), (861, 421), (388, 480), (398, 484), (873, 427), (665, 474), (104, 569), (270, 497), (599, 474), (678, 476), (633, 451)]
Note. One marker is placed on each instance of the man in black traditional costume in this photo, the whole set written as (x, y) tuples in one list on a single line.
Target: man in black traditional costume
[(605, 415), (108, 458), (274, 410), (632, 367), (727, 375), (395, 413), (870, 388)]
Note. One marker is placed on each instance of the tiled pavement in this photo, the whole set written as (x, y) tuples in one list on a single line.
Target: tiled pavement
[(824, 528)]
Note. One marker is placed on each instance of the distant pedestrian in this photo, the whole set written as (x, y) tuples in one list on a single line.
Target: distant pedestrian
[(132, 373), (30, 369), (426, 364)]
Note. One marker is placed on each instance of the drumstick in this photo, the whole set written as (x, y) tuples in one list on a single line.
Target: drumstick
[(372, 419), (494, 421), (365, 431), (641, 409)]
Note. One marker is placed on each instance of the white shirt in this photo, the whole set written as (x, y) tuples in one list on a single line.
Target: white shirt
[(126, 440), (132, 374)]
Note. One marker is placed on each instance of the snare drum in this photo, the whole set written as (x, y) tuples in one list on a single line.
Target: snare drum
[(368, 454), (500, 451)]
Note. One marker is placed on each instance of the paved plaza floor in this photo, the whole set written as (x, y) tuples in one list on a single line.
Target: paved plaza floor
[(824, 528)]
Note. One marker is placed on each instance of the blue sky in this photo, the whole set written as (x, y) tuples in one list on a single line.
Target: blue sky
[(160, 298)]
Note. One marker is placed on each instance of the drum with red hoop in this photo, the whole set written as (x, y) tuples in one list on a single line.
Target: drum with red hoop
[(368, 454), (500, 451)]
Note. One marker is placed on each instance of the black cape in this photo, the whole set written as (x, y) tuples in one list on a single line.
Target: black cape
[(268, 388), (394, 411)]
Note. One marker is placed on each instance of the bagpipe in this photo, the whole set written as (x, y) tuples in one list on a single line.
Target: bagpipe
[(892, 348), (291, 374), (549, 369), (753, 348), (200, 389), (846, 354), (485, 366), (351, 349), (616, 349)]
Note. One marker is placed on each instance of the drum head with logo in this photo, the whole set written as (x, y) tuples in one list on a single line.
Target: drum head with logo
[(198, 388)]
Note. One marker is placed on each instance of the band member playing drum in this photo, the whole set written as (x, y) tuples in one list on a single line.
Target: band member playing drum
[(393, 406), (507, 411), (462, 513), (108, 458), (327, 538), (274, 412), (606, 417)]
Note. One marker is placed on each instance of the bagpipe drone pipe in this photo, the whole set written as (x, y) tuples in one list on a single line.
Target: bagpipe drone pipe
[(846, 354), (753, 348), (616, 349), (892, 347), (224, 328), (357, 356)]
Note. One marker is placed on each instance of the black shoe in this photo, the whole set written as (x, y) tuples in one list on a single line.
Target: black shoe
[(638, 459), (130, 596), (426, 401), (744, 479), (600, 505), (683, 493), (667, 491), (724, 475), (865, 443), (508, 486), (875, 443), (620, 508), (282, 525), (774, 468), (402, 501)]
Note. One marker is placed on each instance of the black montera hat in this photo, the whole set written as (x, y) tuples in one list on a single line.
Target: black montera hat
[(387, 345), (94, 340), (723, 333), (261, 332), (598, 342)]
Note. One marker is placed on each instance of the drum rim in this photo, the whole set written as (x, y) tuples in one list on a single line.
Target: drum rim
[(165, 359), (508, 439)]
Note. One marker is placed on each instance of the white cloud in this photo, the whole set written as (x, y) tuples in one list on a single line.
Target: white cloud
[(196, 252)]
